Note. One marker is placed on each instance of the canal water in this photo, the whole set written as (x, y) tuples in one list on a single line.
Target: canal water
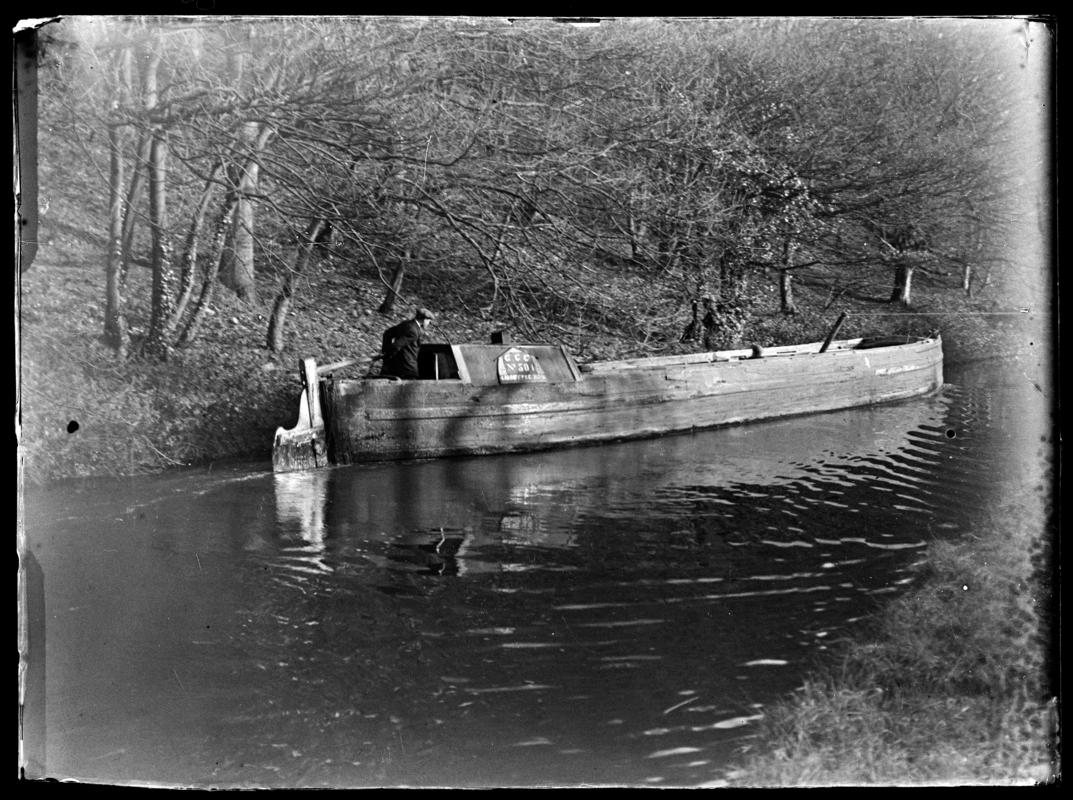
[(613, 615)]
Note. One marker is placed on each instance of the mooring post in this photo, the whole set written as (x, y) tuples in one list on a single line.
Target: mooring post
[(311, 384)]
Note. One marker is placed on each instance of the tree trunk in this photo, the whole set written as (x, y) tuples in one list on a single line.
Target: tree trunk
[(976, 248), (188, 269), (903, 283), (282, 305), (214, 265), (638, 229), (115, 324), (394, 291), (786, 292), (239, 270), (786, 280), (134, 195), (137, 179), (238, 273), (691, 333), (156, 343), (667, 247)]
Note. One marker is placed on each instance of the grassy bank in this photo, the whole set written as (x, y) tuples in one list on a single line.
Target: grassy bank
[(950, 686)]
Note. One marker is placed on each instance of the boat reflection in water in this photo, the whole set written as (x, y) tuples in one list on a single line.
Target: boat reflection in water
[(476, 515)]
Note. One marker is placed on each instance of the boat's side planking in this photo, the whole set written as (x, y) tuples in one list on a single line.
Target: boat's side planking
[(382, 420)]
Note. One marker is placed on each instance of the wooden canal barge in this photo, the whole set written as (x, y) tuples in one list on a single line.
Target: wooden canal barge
[(494, 398)]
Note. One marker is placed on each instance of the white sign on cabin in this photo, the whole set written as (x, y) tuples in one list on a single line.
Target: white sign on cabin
[(518, 366)]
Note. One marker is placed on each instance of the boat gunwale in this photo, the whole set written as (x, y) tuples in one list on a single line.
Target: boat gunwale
[(711, 357)]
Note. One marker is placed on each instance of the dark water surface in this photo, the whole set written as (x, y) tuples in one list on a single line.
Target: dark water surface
[(608, 615)]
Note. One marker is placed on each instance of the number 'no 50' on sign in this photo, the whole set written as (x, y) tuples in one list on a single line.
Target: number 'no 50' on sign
[(518, 366)]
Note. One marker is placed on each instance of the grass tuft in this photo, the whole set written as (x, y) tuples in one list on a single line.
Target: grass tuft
[(953, 685)]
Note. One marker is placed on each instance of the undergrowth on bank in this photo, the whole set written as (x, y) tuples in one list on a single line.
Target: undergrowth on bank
[(953, 686)]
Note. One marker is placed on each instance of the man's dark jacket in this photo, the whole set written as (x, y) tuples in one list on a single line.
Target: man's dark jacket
[(400, 347)]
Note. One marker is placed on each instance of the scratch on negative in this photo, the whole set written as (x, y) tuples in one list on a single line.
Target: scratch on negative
[(679, 705)]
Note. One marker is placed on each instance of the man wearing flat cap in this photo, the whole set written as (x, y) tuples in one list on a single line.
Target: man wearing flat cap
[(401, 344)]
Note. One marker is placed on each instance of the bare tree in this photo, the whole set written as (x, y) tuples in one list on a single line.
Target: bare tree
[(188, 267), (314, 237), (162, 299), (238, 270), (115, 323)]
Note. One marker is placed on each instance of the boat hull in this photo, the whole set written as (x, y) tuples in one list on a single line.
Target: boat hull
[(378, 420)]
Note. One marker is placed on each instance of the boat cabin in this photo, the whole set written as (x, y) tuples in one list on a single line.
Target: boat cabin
[(493, 364)]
